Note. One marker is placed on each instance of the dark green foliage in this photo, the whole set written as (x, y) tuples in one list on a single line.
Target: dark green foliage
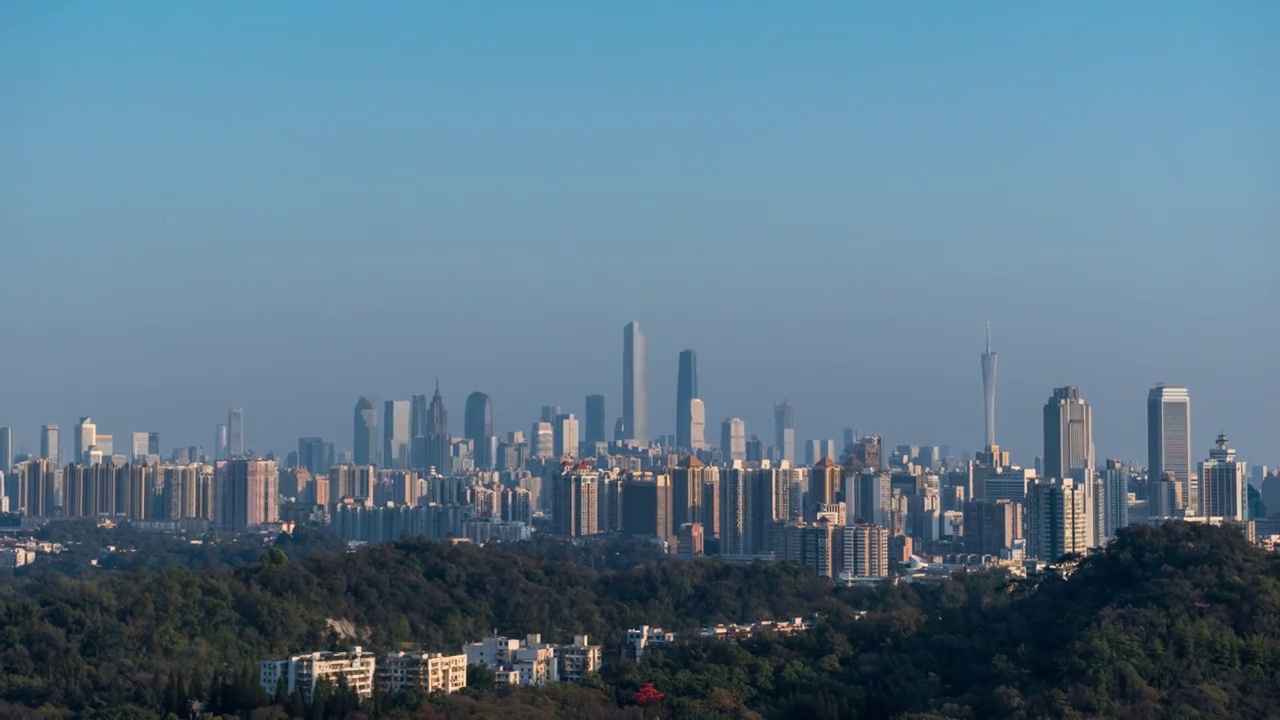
[(1176, 621)]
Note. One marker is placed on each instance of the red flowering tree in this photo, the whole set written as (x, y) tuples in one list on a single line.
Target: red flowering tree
[(648, 695)]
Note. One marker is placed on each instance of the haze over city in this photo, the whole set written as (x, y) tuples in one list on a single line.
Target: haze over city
[(208, 206)]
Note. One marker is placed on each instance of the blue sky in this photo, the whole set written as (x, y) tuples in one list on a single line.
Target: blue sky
[(288, 206)]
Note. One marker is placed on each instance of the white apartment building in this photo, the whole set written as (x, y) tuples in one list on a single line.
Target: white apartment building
[(432, 672), (531, 662), (578, 659), (304, 671), (639, 640)]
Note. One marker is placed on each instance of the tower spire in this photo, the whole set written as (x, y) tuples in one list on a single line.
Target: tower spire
[(988, 336)]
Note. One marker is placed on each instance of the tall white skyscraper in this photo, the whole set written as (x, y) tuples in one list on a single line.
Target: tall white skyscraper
[(697, 425), (49, 447), (733, 439), (565, 436), (635, 397), (220, 442), (139, 446), (1169, 441), (86, 437), (395, 434), (1224, 491)]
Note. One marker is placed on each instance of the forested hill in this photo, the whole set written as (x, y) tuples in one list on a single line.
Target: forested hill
[(1176, 621)]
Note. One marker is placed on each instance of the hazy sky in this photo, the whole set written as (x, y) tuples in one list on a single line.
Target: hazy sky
[(288, 205)]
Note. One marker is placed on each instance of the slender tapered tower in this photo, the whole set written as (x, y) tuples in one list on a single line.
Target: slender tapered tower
[(989, 365)]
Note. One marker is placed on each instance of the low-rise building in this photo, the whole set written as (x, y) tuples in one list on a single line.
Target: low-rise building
[(432, 672), (735, 631), (578, 659), (303, 672), (531, 662), (640, 640)]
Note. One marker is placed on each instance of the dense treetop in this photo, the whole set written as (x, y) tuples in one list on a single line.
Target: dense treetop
[(1174, 621)]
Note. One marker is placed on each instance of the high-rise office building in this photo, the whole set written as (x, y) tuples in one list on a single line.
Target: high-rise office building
[(49, 446), (396, 438), (635, 397), (6, 449), (595, 421), (686, 393), (1056, 520), (418, 430), (248, 493), (439, 443), (1068, 452), (990, 364), (784, 422), (364, 443), (153, 444), (697, 425), (235, 432), (733, 439), (1223, 484), (1068, 433), (991, 526), (564, 436), (220, 442), (1169, 440), (139, 446), (542, 440), (477, 427), (86, 437), (315, 455)]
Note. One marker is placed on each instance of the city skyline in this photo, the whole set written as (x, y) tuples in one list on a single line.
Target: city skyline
[(686, 359)]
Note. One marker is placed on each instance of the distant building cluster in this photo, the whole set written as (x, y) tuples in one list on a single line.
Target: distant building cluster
[(856, 510)]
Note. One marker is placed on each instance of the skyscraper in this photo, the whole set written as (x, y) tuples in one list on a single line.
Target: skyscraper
[(635, 402), (1223, 484), (6, 449), (139, 445), (686, 393), (733, 439), (418, 430), (564, 436), (86, 437), (989, 367), (784, 423), (364, 444), (697, 425), (235, 432), (439, 451), (396, 439), (1169, 440), (595, 429), (220, 442), (49, 447), (477, 425), (1068, 433), (1056, 521)]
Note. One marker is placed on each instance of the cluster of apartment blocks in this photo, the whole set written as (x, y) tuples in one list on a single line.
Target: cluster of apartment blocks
[(514, 662)]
